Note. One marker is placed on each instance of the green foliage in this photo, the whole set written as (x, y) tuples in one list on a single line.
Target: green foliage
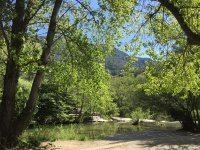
[(73, 86), (138, 113), (177, 79), (54, 106), (84, 80), (82, 132), (127, 94), (123, 91), (2, 64), (23, 90), (29, 56)]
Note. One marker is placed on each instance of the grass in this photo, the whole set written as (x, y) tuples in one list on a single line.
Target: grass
[(33, 137)]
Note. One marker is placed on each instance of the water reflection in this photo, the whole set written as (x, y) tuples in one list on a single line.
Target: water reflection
[(97, 130)]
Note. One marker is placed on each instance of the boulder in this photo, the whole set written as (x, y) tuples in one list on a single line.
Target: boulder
[(98, 119), (170, 123), (147, 122), (135, 122), (120, 119)]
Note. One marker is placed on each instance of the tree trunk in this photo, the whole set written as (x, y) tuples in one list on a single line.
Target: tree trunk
[(7, 110), (197, 114), (26, 115), (10, 126), (80, 113), (188, 123), (8, 100)]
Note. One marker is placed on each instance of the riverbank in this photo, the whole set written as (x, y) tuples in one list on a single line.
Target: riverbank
[(98, 135), (153, 140)]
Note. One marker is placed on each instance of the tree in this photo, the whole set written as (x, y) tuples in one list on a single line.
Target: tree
[(127, 94), (54, 105), (187, 17), (186, 14), (21, 23), (10, 126), (124, 91), (175, 29), (85, 80), (177, 79)]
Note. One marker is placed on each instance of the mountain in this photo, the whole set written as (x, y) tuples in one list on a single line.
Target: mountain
[(117, 61)]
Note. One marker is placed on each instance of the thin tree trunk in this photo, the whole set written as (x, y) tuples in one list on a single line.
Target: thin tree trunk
[(197, 113), (81, 110), (192, 105)]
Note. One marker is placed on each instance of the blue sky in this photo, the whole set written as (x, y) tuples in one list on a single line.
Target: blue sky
[(94, 5)]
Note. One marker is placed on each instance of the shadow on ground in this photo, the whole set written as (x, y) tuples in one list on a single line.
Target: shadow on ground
[(144, 140), (162, 140)]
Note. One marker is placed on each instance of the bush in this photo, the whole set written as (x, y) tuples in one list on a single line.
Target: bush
[(54, 106), (23, 91), (138, 113)]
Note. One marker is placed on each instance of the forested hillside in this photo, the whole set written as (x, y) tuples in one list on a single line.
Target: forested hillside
[(118, 60)]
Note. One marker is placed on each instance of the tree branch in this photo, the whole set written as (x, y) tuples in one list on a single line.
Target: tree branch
[(3, 5), (65, 30), (192, 37), (67, 11), (146, 21), (89, 10), (29, 17), (4, 35)]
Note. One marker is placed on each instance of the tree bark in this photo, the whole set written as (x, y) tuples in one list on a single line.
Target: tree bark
[(80, 113), (7, 109)]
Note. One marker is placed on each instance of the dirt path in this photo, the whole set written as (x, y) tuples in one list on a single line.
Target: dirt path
[(149, 140)]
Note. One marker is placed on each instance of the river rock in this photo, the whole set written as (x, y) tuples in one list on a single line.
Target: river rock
[(98, 119), (120, 119), (170, 123), (147, 122)]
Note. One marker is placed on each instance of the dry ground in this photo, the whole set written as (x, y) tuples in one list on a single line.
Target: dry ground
[(149, 140)]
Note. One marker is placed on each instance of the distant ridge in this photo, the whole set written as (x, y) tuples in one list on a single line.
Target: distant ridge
[(117, 61)]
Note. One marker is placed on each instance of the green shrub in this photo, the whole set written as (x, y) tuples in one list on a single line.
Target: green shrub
[(54, 106), (23, 90), (138, 113)]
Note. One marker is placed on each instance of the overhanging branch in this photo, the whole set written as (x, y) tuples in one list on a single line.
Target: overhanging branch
[(193, 38)]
